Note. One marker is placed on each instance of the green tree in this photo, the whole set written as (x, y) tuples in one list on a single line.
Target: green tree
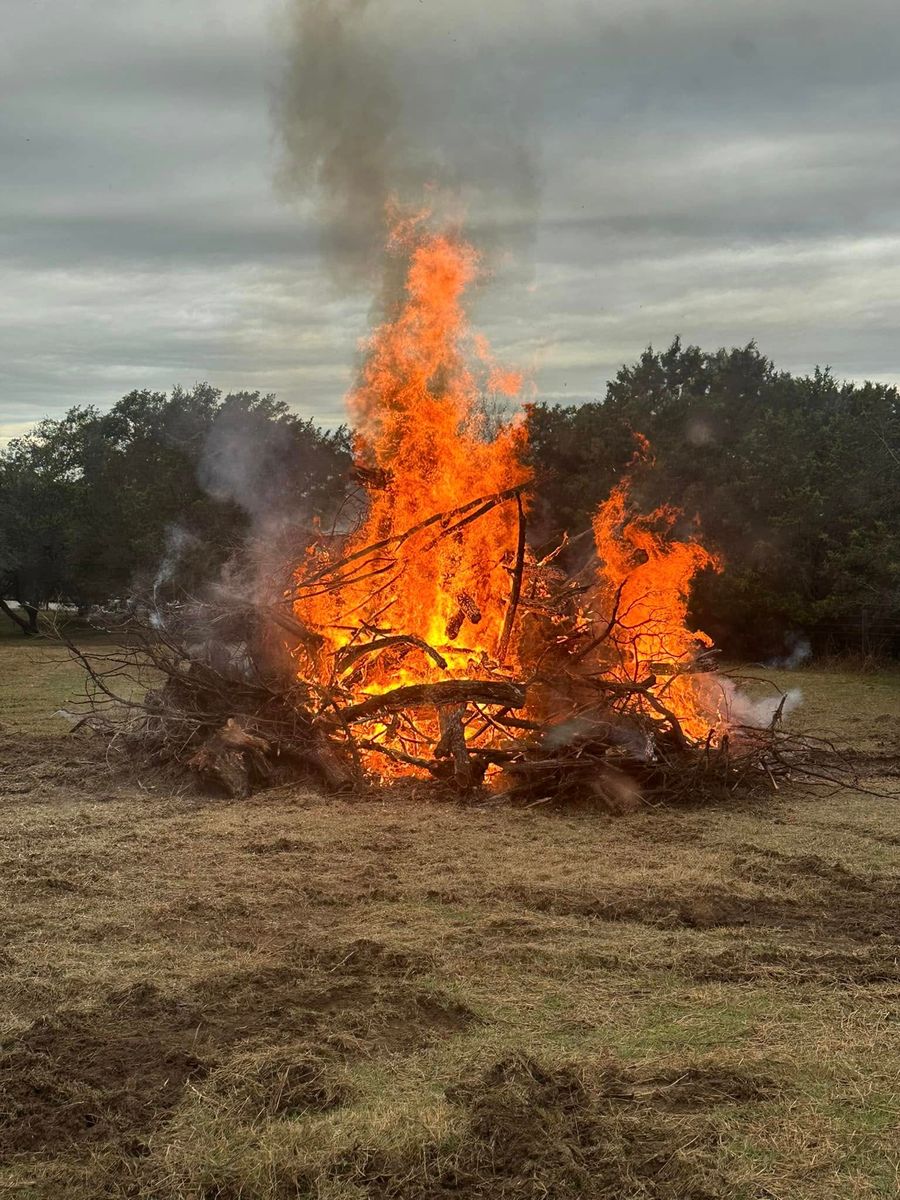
[(796, 482), (89, 502), (38, 501)]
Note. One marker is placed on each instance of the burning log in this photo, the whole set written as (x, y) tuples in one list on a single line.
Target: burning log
[(348, 657), (376, 478), (467, 610), (448, 692)]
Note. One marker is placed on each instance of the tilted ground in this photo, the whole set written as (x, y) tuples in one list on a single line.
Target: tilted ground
[(302, 997)]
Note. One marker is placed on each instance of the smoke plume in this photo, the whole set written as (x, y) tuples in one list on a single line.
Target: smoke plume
[(251, 461), (267, 468), (377, 107), (758, 712), (179, 542)]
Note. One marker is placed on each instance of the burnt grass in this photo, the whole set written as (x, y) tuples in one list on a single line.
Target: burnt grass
[(299, 996)]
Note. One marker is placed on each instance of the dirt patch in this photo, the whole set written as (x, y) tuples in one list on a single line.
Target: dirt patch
[(693, 1088), (767, 866), (116, 1069), (41, 768), (365, 956), (702, 908), (99, 1074), (531, 1131), (536, 1131)]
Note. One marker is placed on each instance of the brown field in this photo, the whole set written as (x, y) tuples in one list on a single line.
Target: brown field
[(302, 997)]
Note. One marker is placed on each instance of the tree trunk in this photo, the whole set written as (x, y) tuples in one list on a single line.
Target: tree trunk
[(27, 624)]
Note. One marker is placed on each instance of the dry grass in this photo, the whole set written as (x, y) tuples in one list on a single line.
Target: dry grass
[(298, 997), (37, 678)]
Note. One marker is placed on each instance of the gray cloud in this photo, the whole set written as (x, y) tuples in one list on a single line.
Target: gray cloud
[(726, 171)]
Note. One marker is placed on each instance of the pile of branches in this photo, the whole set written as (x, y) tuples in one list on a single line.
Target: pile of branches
[(213, 688)]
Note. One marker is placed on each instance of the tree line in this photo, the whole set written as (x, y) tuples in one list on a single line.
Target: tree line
[(161, 489), (793, 480)]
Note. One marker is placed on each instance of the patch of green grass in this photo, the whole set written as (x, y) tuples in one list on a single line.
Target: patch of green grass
[(799, 1149), (37, 679), (699, 1027)]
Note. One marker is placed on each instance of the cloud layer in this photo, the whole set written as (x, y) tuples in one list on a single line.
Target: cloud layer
[(633, 169)]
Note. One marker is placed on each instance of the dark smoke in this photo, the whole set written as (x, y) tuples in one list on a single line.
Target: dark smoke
[(374, 108)]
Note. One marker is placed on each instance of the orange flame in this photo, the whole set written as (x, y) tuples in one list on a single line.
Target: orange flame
[(434, 597), (420, 438), (644, 584)]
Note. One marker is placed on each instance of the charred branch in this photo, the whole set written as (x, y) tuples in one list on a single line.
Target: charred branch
[(372, 478), (468, 512), (438, 695), (349, 656)]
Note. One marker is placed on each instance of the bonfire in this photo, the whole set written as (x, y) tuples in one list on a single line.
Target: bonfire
[(428, 641)]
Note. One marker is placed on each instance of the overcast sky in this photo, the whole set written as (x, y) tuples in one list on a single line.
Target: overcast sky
[(722, 169)]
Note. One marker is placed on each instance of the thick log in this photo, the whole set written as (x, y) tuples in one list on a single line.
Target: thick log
[(469, 607), (452, 745), (467, 610), (319, 758), (238, 762), (230, 757), (438, 695)]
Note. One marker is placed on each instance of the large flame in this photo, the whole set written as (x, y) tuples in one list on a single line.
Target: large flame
[(422, 444), (644, 587), (415, 596)]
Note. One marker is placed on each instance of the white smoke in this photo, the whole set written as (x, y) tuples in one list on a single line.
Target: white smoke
[(250, 460), (179, 542), (743, 709), (799, 653), (635, 742)]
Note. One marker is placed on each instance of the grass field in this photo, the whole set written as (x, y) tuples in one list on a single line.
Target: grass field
[(302, 997)]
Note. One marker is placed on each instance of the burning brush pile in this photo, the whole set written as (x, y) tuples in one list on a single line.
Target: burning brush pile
[(429, 641)]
